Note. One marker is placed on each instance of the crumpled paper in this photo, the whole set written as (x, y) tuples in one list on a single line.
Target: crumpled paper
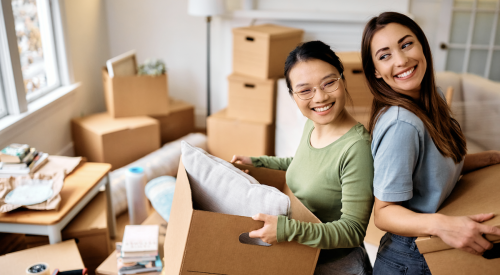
[(55, 169)]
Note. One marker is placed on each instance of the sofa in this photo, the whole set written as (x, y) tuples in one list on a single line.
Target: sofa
[(476, 107)]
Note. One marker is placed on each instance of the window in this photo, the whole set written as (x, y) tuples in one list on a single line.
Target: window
[(28, 53)]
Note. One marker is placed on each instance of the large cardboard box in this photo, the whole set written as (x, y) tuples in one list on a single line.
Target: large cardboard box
[(89, 230), (228, 137), (63, 255), (178, 123), (261, 51), (355, 79), (118, 141), (475, 193), (136, 95), (202, 242), (251, 99)]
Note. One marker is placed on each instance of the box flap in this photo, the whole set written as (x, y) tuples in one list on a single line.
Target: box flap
[(268, 31), (181, 215), (475, 193), (103, 123)]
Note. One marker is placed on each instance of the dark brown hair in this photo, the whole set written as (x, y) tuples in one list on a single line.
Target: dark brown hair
[(431, 108)]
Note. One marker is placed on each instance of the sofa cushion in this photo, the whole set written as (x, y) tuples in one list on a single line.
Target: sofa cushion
[(218, 186), (447, 79), (482, 109)]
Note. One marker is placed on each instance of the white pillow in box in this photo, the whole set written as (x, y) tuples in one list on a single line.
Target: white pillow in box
[(218, 186)]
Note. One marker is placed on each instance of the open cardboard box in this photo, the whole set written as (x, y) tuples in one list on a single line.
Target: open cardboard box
[(136, 95), (477, 192), (201, 242)]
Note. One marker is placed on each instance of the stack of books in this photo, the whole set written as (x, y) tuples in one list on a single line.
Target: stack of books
[(20, 159), (138, 253)]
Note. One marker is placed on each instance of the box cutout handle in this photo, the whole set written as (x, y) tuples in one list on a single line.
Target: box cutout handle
[(493, 253), (245, 239), (357, 71), (248, 38), (249, 85)]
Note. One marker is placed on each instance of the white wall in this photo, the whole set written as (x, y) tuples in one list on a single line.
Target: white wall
[(163, 29), (88, 46), (98, 30)]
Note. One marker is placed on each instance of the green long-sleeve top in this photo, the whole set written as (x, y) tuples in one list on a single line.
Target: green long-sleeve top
[(335, 183)]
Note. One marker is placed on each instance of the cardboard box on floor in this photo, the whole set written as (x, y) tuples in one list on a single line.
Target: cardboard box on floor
[(206, 242), (251, 99), (108, 267), (355, 79), (89, 229), (135, 95), (260, 51), (228, 137), (63, 256), (118, 141), (477, 192), (178, 123)]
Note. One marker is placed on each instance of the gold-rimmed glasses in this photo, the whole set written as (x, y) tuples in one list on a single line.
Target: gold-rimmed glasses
[(330, 85)]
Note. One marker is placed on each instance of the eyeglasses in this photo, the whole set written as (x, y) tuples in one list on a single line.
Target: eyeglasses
[(329, 86)]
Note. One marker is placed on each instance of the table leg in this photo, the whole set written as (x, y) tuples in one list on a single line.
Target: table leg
[(54, 234), (110, 210)]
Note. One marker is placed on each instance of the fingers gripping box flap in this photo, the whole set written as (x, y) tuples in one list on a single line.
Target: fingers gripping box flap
[(475, 193), (201, 242)]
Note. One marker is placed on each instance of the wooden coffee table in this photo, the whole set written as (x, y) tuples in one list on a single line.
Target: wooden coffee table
[(78, 189)]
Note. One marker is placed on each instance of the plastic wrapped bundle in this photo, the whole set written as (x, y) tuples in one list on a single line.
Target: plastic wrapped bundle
[(162, 162)]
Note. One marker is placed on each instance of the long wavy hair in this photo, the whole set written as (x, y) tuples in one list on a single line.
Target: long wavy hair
[(431, 108)]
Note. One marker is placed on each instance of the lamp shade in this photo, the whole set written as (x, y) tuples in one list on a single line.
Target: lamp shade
[(206, 7)]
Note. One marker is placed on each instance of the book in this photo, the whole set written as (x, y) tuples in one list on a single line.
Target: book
[(14, 153), (140, 238), (21, 169), (135, 267)]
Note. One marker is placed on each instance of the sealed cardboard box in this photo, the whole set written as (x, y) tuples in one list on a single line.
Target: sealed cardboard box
[(475, 193), (228, 137), (178, 123), (89, 229), (251, 99), (202, 242), (135, 95), (355, 79), (118, 141), (261, 51), (373, 234)]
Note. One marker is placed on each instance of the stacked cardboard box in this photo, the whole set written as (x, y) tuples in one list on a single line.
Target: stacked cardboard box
[(247, 126), (139, 119)]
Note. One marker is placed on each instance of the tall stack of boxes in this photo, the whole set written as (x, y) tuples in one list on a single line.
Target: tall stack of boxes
[(356, 86), (139, 119), (246, 126)]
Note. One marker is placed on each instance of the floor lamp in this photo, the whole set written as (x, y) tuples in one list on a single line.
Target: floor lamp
[(206, 8)]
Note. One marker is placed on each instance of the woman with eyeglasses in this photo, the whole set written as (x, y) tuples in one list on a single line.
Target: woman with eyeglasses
[(418, 148), (332, 170)]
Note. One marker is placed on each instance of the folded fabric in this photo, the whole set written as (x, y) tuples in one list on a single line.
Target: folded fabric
[(160, 192), (218, 186)]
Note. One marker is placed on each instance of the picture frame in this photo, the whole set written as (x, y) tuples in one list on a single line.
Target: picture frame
[(122, 65)]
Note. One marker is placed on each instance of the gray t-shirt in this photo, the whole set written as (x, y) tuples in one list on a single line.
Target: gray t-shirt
[(408, 166)]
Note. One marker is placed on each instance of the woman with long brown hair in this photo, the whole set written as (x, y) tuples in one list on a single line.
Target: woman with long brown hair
[(418, 148)]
